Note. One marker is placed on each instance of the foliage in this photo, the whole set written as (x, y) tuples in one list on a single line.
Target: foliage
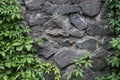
[(17, 61), (114, 59), (84, 62)]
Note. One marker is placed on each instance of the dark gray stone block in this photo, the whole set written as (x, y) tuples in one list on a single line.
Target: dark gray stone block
[(76, 33), (78, 21), (37, 18), (34, 4), (95, 30), (89, 44), (90, 7), (65, 57), (48, 49), (67, 9)]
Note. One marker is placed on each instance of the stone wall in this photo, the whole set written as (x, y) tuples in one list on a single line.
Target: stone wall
[(70, 28)]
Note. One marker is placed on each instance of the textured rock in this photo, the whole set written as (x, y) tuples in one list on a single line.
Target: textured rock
[(95, 30), (106, 43), (89, 44), (49, 48), (90, 7), (34, 4), (37, 18), (67, 71), (65, 56), (99, 65), (63, 25), (36, 28), (60, 2), (48, 24), (66, 42), (49, 7), (23, 10), (54, 32), (67, 9), (104, 11), (77, 33), (62, 22), (78, 21)]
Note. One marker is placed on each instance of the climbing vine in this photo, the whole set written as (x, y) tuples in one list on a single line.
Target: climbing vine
[(82, 63), (114, 59), (17, 58)]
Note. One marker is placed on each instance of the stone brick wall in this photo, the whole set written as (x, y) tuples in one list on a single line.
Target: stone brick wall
[(70, 28)]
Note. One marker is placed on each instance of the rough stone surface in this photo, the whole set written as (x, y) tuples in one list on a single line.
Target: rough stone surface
[(62, 22), (69, 9), (36, 28), (95, 30), (65, 57), (34, 4), (54, 32), (49, 7), (66, 42), (90, 7), (89, 44), (77, 33), (67, 71), (37, 18), (48, 49), (78, 21), (104, 10), (69, 28)]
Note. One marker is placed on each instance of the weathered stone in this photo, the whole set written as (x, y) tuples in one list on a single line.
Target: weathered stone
[(90, 75), (65, 34), (38, 18), (49, 7), (77, 33), (90, 7), (67, 71), (36, 28), (49, 24), (49, 48), (100, 53), (95, 30), (23, 10), (66, 42), (54, 32), (46, 53), (65, 56), (99, 64), (106, 43), (67, 9), (89, 44), (62, 22), (104, 11), (34, 4), (78, 21), (59, 2)]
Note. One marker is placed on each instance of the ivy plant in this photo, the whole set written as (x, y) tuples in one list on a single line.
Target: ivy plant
[(84, 62), (113, 60), (17, 58)]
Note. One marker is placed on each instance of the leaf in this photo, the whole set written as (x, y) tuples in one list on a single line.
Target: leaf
[(69, 76), (19, 48), (28, 47), (5, 77), (16, 44), (29, 41)]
